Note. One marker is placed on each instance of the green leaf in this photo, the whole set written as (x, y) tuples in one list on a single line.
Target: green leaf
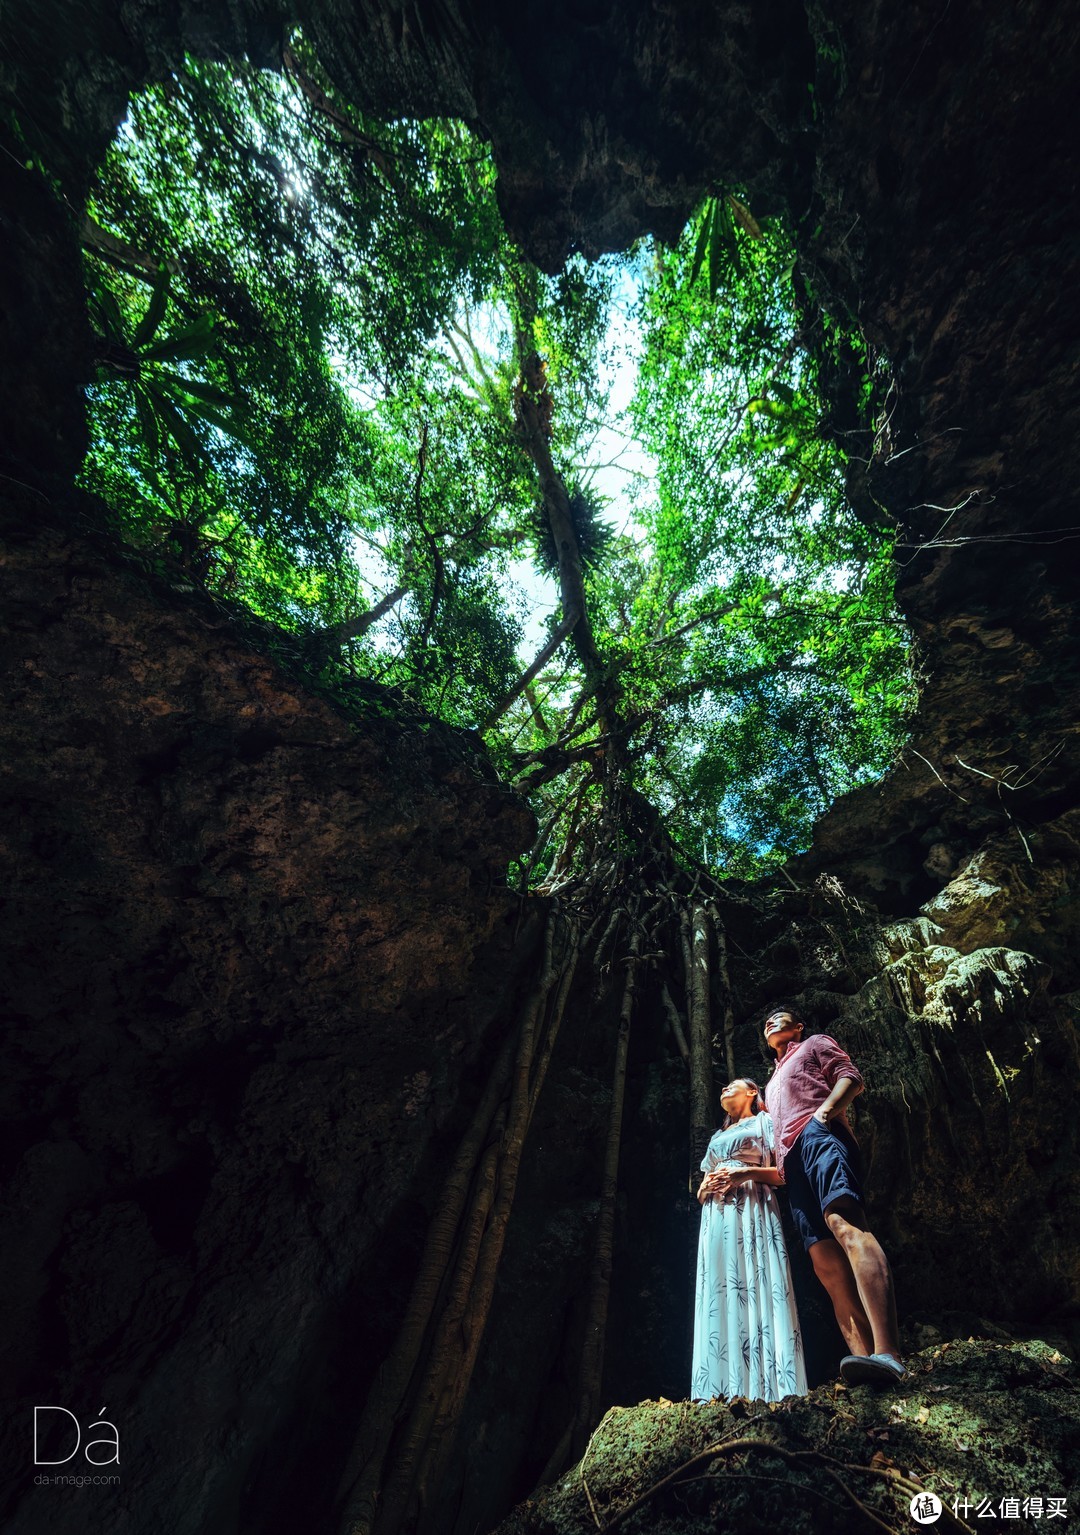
[(148, 425), (724, 248), (702, 243), (745, 217), (106, 312), (178, 429), (226, 424), (210, 393), (717, 251), (194, 340), (155, 310)]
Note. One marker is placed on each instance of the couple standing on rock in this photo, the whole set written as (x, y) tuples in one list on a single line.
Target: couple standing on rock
[(746, 1328)]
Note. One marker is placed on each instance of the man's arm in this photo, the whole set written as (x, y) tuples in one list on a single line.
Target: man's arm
[(847, 1089)]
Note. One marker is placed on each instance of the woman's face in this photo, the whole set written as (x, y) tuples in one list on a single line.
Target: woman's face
[(737, 1099)]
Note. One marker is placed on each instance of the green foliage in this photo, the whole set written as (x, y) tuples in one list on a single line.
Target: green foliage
[(165, 400), (592, 531), (799, 686), (324, 254), (312, 328)]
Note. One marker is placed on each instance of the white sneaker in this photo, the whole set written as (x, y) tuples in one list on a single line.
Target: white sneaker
[(871, 1370)]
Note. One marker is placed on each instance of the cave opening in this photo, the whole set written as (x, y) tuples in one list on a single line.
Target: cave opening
[(599, 515)]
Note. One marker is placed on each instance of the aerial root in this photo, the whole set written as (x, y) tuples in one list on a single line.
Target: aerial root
[(904, 1485)]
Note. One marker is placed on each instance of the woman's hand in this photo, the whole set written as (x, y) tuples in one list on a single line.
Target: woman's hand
[(707, 1188), (721, 1182)]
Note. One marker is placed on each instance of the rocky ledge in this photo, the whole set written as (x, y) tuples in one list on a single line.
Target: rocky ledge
[(979, 1424)]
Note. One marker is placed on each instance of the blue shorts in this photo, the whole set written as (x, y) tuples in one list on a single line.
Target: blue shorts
[(822, 1166)]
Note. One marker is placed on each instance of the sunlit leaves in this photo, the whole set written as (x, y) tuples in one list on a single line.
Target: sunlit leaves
[(165, 401), (798, 686), (318, 414)]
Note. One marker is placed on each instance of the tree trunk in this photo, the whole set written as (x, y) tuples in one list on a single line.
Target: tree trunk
[(386, 1403), (592, 1363), (702, 1115), (527, 1087), (675, 1022), (360, 1483), (552, 1033), (725, 982)]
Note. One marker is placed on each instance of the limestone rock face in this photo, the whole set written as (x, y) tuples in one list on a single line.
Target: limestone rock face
[(256, 960), (999, 896), (968, 1045)]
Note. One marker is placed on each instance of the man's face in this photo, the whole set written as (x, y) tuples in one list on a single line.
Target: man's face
[(781, 1029)]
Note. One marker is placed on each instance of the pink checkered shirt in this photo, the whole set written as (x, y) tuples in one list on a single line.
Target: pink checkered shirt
[(805, 1075)]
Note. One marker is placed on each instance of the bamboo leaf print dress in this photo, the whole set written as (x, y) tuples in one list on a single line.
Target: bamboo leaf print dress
[(746, 1329)]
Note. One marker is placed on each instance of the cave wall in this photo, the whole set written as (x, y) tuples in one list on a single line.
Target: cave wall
[(257, 960), (944, 188), (965, 1024), (227, 1097), (944, 154)]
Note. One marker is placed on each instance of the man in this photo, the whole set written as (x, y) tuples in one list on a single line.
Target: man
[(812, 1085)]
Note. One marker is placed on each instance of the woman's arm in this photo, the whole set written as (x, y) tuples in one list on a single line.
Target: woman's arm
[(726, 1178), (769, 1175)]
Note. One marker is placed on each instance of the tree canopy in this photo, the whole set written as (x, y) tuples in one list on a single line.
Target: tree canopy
[(598, 516)]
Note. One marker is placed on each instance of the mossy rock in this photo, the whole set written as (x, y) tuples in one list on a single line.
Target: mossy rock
[(974, 1420)]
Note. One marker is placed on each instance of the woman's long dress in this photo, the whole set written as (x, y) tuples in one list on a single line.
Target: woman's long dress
[(746, 1328)]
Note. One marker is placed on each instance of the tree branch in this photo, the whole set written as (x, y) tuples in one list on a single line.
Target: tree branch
[(534, 414), (353, 628), (119, 253), (704, 618), (538, 665), (730, 684)]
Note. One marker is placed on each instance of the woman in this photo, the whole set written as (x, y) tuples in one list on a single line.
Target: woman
[(746, 1329)]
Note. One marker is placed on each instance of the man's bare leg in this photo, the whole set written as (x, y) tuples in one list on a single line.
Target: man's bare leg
[(872, 1275), (835, 1273)]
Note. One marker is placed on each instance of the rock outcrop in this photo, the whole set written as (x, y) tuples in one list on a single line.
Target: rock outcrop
[(259, 950), (980, 1425)]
